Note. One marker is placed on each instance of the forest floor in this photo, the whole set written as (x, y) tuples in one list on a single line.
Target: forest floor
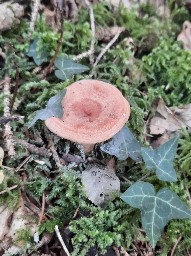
[(129, 194)]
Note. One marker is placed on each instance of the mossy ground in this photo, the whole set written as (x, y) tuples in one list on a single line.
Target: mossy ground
[(164, 69)]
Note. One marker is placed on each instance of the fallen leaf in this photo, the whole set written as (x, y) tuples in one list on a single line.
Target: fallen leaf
[(183, 114), (1, 156), (105, 34), (162, 139), (1, 176), (185, 35), (100, 183), (161, 7), (170, 119), (20, 219)]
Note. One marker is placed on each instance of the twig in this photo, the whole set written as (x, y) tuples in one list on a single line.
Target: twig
[(145, 176), (189, 197), (175, 245), (16, 81), (42, 210), (76, 212), (24, 162), (34, 15), (52, 149), (106, 48), (48, 69), (2, 54), (8, 189), (4, 120), (126, 179), (82, 55), (33, 149), (8, 134), (117, 253), (61, 240), (123, 251), (92, 22), (55, 156)]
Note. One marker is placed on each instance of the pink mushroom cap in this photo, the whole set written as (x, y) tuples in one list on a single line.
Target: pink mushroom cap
[(94, 111)]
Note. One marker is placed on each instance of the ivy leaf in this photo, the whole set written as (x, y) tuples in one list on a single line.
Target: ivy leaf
[(156, 209), (67, 68), (38, 56), (123, 145), (54, 108), (161, 159)]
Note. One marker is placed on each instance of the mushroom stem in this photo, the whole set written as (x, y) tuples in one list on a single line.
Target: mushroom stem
[(88, 147)]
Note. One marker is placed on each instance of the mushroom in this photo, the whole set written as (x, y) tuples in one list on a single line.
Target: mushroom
[(94, 111)]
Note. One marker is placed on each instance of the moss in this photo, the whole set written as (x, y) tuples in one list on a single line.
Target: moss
[(106, 221), (24, 238)]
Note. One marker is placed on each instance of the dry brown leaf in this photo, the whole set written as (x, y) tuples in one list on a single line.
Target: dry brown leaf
[(100, 183), (162, 139), (1, 156), (183, 114), (11, 223), (170, 119), (49, 16), (105, 34), (160, 5), (1, 176), (185, 35)]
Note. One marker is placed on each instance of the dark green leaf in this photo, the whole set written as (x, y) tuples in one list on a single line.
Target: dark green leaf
[(156, 209), (38, 57), (67, 68), (54, 108), (123, 145), (161, 159)]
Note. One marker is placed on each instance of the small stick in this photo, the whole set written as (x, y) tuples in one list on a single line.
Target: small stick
[(33, 149), (92, 22), (24, 162), (8, 189), (82, 55), (52, 149), (42, 210), (76, 212), (8, 133), (2, 54), (175, 245), (145, 176), (123, 251), (48, 69), (117, 253), (4, 120), (106, 49), (189, 197), (16, 81), (34, 15), (61, 240)]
